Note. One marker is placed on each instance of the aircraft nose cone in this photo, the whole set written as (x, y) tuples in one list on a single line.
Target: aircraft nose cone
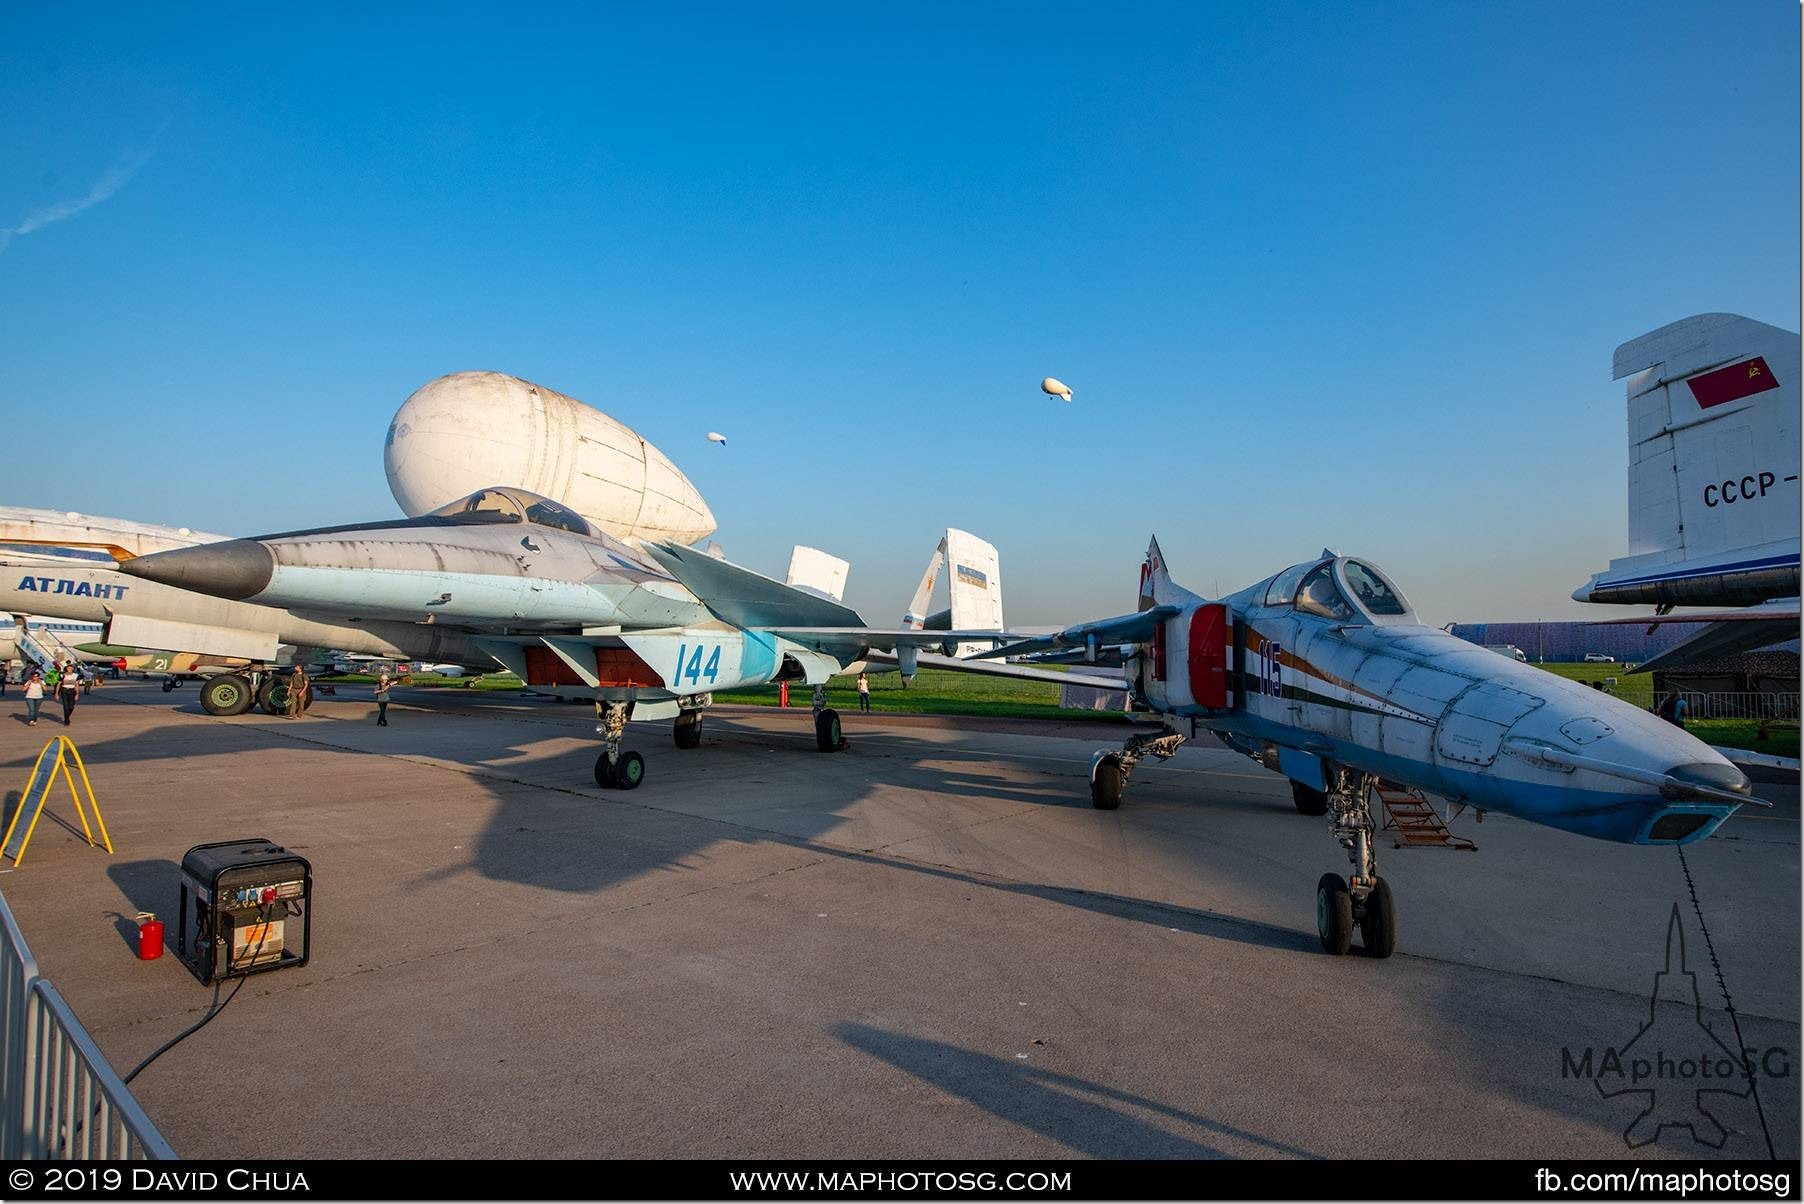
[(236, 568), (1713, 776)]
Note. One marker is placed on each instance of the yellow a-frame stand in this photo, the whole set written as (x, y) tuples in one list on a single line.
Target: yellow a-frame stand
[(37, 793)]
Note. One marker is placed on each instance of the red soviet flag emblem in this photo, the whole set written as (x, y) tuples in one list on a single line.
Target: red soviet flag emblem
[(1732, 383)]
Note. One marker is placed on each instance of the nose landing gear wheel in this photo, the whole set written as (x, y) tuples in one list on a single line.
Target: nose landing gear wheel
[(1107, 782), (1378, 921), (827, 735), (1334, 914), (688, 730), (624, 774)]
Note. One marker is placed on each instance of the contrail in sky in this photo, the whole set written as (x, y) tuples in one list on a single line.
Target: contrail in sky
[(115, 178)]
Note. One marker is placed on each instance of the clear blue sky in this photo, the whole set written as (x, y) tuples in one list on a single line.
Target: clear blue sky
[(1320, 274)]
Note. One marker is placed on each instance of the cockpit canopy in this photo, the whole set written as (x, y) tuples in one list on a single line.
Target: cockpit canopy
[(1342, 589), (510, 505)]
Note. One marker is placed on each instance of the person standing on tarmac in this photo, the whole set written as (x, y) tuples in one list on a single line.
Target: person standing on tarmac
[(298, 689), (34, 697), (382, 685), (864, 693), (68, 692)]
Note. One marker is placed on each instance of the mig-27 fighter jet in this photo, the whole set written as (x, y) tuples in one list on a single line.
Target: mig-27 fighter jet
[(1323, 673)]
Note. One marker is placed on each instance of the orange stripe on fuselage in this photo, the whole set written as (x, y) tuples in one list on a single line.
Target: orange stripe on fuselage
[(1257, 641)]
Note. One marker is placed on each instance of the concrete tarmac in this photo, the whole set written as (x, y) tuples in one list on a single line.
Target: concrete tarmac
[(928, 946)]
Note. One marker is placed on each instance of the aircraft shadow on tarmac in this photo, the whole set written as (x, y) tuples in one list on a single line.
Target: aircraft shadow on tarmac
[(1086, 1117), (559, 831)]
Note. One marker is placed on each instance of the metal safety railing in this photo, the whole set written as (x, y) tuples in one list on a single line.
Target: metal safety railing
[(59, 1096), (18, 971), (1725, 704)]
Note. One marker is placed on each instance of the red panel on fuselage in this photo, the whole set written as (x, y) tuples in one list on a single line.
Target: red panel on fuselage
[(546, 668), (1209, 655)]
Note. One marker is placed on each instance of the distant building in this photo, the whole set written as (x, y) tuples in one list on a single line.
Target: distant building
[(1569, 642)]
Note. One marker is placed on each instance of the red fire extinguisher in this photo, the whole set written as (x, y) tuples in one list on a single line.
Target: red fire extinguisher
[(150, 937), (782, 693)]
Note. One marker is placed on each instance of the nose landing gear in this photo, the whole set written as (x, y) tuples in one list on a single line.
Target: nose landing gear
[(827, 734), (615, 770), (1366, 901)]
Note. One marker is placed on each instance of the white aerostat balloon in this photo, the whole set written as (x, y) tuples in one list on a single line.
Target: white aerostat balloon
[(717, 437), (1054, 387)]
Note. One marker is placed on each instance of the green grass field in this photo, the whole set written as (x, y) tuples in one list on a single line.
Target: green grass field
[(1638, 690)]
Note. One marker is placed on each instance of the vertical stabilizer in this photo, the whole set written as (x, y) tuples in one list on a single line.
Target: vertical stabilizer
[(817, 572), (1713, 465), (1156, 586), (974, 581)]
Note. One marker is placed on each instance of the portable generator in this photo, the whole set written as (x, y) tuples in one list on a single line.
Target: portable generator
[(246, 907)]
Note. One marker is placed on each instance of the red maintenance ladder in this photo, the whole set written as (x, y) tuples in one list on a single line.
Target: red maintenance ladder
[(1416, 823)]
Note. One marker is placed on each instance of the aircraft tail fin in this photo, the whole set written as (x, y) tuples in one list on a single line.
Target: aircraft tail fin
[(1713, 464), (1155, 581), (816, 571), (973, 585)]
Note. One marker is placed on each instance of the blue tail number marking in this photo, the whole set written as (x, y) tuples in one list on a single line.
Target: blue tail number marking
[(689, 664)]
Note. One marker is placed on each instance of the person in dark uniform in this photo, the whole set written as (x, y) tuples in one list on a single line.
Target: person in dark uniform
[(298, 687)]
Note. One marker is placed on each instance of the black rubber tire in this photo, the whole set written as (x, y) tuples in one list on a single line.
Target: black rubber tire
[(1107, 784), (688, 730), (1308, 802), (1334, 914), (1378, 921), (604, 773), (228, 694), (630, 771), (169, 684), (827, 735), (272, 696)]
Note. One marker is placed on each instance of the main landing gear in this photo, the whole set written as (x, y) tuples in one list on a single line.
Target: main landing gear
[(1366, 901), (616, 770), (235, 693), (1109, 772), (827, 734)]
